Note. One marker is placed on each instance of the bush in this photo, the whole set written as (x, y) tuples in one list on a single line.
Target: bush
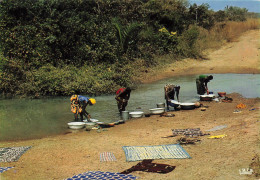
[(58, 47), (187, 42)]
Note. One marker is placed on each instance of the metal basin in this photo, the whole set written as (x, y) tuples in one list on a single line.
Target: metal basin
[(90, 123), (136, 114), (187, 106), (222, 94), (76, 125), (174, 103), (161, 105), (208, 97), (157, 110)]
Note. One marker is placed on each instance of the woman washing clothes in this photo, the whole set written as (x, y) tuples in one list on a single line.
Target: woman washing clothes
[(79, 104), (169, 91), (122, 97), (202, 84)]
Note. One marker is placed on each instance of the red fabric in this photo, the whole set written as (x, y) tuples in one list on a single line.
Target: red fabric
[(120, 90)]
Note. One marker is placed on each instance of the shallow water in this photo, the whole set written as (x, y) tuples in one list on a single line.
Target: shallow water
[(28, 119)]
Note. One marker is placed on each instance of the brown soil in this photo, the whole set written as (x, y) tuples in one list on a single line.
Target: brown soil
[(63, 156), (236, 57)]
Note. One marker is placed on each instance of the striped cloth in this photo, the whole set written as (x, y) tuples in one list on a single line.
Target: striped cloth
[(3, 169), (171, 151), (107, 156)]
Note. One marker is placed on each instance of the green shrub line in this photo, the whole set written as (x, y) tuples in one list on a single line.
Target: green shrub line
[(58, 47)]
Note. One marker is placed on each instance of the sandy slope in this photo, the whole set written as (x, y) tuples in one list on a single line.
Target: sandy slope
[(237, 57), (63, 156)]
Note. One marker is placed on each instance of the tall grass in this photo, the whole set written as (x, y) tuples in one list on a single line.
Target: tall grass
[(224, 32), (233, 29)]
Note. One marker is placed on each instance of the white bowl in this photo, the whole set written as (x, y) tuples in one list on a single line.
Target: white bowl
[(100, 123), (207, 97), (91, 120), (157, 110), (175, 102), (76, 125), (136, 114), (187, 106), (90, 123)]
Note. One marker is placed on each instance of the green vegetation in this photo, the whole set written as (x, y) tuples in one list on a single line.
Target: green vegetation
[(58, 47)]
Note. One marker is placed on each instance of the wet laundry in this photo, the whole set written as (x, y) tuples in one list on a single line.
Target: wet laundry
[(216, 128), (189, 132), (227, 99), (218, 136), (241, 106), (237, 111), (167, 114), (184, 140), (147, 166)]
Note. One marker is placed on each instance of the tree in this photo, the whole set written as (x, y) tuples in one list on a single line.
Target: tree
[(236, 13), (126, 34)]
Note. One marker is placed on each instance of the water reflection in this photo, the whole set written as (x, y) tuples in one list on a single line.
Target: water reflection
[(26, 119)]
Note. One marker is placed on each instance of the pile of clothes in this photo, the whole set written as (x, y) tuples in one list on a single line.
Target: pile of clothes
[(189, 132)]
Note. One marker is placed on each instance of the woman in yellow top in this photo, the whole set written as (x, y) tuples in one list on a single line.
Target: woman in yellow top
[(79, 104)]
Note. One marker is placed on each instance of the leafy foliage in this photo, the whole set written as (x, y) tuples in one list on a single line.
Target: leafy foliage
[(58, 47)]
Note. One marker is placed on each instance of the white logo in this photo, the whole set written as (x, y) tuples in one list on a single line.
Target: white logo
[(245, 171)]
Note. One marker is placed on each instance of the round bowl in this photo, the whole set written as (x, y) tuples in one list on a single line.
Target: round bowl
[(93, 120), (174, 103), (160, 105), (206, 97), (111, 124), (105, 125), (100, 123), (90, 120), (222, 94), (187, 106), (76, 125), (136, 114), (90, 123), (121, 121), (157, 110), (116, 122)]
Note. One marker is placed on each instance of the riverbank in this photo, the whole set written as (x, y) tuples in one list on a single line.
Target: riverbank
[(240, 57), (63, 156)]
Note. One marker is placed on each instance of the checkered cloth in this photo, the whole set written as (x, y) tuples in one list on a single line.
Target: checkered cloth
[(94, 175), (3, 169)]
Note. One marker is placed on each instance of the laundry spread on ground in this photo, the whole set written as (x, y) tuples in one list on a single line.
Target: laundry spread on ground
[(189, 132), (107, 156), (216, 128), (3, 169), (147, 166), (185, 141), (218, 136), (99, 175), (11, 154), (241, 106), (171, 151)]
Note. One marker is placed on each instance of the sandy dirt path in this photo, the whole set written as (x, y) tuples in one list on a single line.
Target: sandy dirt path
[(62, 156), (242, 56)]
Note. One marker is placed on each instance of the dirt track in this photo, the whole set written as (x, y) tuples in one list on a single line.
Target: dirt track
[(237, 57), (63, 156)]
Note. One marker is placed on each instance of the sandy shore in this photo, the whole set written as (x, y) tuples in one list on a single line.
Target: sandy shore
[(237, 57), (62, 156)]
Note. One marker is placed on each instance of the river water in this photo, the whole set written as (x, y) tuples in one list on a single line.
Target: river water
[(22, 119)]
